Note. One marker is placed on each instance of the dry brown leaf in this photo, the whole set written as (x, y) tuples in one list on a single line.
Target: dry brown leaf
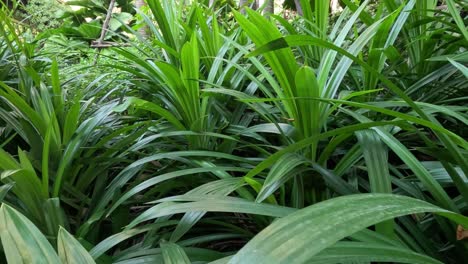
[(461, 233)]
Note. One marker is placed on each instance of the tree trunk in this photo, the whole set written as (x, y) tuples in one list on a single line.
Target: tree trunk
[(143, 30), (269, 7), (242, 5), (298, 7), (250, 3), (255, 4)]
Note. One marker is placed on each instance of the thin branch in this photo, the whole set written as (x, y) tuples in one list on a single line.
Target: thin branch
[(104, 29)]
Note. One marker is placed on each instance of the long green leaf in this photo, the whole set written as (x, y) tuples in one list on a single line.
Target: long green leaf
[(173, 254), (376, 157), (71, 251), (302, 235), (22, 241), (346, 252), (209, 203)]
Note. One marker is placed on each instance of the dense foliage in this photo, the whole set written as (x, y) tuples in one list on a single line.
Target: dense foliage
[(230, 137)]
